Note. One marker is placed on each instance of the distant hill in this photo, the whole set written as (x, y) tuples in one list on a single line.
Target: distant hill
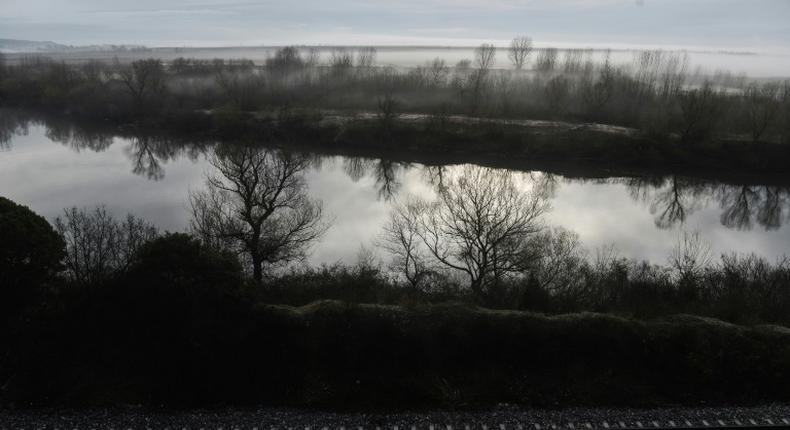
[(13, 46)]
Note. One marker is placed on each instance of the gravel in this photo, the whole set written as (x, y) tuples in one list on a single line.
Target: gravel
[(294, 419)]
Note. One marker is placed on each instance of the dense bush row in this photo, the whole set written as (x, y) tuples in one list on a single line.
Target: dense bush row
[(168, 345)]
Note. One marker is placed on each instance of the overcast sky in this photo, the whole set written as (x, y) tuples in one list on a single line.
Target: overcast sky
[(762, 25)]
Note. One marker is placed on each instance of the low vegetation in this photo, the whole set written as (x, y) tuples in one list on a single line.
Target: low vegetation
[(171, 319)]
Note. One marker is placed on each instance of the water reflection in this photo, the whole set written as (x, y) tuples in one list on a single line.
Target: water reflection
[(78, 138), (12, 123), (386, 174), (671, 200)]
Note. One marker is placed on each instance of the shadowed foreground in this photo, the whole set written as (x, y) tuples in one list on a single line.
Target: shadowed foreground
[(335, 355)]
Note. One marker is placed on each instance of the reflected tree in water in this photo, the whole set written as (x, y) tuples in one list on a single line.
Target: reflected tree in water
[(385, 174), (256, 204), (435, 175), (738, 205), (78, 138), (770, 211), (356, 167), (148, 153), (742, 205), (11, 124), (671, 200), (544, 182)]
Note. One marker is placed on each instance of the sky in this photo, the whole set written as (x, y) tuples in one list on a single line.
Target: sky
[(756, 25)]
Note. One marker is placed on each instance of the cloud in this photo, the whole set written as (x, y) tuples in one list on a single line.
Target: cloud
[(728, 24)]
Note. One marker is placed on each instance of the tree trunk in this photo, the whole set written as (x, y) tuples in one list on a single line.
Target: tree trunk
[(257, 272)]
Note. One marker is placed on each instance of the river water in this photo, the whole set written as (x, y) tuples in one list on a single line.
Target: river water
[(48, 170)]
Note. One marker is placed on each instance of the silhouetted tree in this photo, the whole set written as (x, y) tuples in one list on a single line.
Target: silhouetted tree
[(762, 105), (690, 257), (178, 261), (341, 61), (520, 48), (99, 246), (547, 59), (285, 60), (784, 120), (401, 240), (480, 226), (257, 206), (701, 110), (143, 78), (30, 256), (437, 72), (558, 91), (2, 72), (559, 258), (366, 57), (484, 59)]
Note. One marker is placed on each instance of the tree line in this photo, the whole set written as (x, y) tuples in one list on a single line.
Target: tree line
[(656, 93)]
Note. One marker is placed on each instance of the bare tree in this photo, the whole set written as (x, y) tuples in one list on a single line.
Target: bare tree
[(240, 86), (520, 48), (484, 60), (558, 91), (93, 71), (762, 104), (547, 59), (485, 55), (480, 226), (313, 57), (97, 245), (437, 72), (400, 239), (257, 206), (560, 257), (285, 60), (366, 57), (143, 78), (784, 121), (341, 61), (690, 256), (701, 109)]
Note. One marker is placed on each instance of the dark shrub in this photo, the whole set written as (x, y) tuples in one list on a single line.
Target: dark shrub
[(164, 330), (177, 261), (30, 256)]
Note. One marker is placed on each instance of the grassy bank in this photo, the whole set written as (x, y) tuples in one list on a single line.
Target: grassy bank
[(334, 354)]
